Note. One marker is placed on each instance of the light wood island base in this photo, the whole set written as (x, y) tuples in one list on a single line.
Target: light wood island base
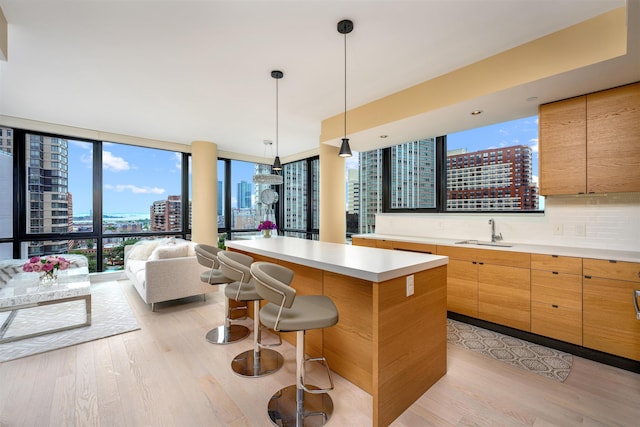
[(391, 345)]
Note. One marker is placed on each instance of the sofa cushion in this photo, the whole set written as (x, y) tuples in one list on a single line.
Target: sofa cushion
[(169, 251), (143, 249)]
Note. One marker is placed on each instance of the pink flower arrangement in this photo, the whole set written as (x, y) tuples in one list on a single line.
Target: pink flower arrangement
[(48, 264), (267, 225)]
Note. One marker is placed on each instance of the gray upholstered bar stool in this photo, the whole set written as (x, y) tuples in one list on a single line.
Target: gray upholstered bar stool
[(258, 361), (300, 404), (207, 256)]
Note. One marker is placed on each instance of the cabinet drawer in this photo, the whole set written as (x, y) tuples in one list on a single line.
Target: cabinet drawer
[(508, 259), (619, 270), (562, 290), (456, 252), (415, 247), (558, 322), (360, 241), (560, 264), (384, 244)]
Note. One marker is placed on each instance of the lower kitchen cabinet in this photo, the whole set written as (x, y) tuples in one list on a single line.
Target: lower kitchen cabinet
[(489, 285), (462, 287), (504, 295), (556, 297), (610, 322)]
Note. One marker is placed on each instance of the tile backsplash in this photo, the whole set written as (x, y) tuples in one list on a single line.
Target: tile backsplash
[(607, 221)]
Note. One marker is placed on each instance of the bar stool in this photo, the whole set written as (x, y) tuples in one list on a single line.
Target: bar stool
[(259, 361), (300, 404), (207, 256)]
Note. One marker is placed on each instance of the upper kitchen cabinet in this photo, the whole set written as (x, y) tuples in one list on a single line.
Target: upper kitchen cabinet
[(591, 144), (562, 146), (613, 140)]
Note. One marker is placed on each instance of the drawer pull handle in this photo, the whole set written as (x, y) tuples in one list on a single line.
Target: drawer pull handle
[(636, 295), (554, 272), (554, 256), (554, 305)]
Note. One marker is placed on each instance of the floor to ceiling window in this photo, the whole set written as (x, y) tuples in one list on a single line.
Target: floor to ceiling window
[(487, 169), (6, 192), (87, 197)]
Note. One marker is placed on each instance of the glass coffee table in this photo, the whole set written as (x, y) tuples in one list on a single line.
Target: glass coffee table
[(24, 291)]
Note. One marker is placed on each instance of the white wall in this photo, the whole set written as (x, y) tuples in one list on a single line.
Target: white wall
[(607, 221)]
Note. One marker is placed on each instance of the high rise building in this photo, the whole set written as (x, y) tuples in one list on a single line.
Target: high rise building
[(244, 195), (220, 203), (295, 190), (353, 191), (413, 175), (497, 179), (48, 204), (370, 168), (413, 180), (6, 140), (166, 215)]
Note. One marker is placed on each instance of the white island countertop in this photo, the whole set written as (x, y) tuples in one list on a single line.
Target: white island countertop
[(372, 264)]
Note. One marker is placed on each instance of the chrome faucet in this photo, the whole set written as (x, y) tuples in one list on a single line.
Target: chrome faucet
[(494, 237)]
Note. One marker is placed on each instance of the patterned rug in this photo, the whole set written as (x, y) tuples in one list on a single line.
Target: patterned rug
[(534, 358), (111, 315)]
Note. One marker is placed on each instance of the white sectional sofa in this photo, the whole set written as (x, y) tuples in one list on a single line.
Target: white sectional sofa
[(164, 270)]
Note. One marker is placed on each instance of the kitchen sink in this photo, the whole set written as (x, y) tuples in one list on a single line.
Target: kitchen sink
[(483, 243)]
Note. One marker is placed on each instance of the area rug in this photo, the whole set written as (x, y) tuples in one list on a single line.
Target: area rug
[(535, 358), (111, 315)]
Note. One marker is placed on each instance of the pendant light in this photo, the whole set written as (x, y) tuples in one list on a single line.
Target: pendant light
[(277, 166), (345, 27)]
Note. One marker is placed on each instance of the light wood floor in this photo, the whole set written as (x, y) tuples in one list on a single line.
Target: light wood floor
[(166, 374)]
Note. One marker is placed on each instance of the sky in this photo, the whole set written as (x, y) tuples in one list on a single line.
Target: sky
[(133, 177)]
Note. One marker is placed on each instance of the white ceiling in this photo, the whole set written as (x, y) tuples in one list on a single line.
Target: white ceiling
[(181, 71)]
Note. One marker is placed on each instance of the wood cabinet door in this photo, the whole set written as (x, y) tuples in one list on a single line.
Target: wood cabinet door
[(562, 147), (613, 140), (360, 241), (609, 317), (462, 287), (556, 305), (504, 295)]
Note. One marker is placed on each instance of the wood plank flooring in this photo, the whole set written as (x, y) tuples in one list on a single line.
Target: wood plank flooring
[(167, 374)]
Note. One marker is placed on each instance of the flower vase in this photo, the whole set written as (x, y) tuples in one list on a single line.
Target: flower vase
[(266, 233), (48, 279)]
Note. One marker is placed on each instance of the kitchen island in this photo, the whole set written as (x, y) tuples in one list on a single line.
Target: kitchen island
[(391, 337)]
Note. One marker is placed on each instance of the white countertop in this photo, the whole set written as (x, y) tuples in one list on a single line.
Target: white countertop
[(372, 264), (607, 254)]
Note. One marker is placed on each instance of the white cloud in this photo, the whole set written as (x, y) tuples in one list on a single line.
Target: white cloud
[(81, 144), (113, 163), (134, 189), (178, 157), (533, 143)]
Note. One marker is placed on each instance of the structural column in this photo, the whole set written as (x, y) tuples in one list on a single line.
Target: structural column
[(204, 203), (333, 223)]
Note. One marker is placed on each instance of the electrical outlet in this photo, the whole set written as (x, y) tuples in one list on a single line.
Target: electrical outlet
[(410, 285), (581, 230), (557, 229)]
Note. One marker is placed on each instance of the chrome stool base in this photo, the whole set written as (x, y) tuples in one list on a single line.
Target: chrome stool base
[(260, 364), (227, 334), (315, 412)]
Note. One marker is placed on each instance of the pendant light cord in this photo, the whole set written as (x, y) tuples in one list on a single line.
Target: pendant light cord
[(345, 85), (277, 117)]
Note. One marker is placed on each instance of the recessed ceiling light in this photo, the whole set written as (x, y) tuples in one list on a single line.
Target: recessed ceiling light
[(476, 112), (532, 98), (383, 136)]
